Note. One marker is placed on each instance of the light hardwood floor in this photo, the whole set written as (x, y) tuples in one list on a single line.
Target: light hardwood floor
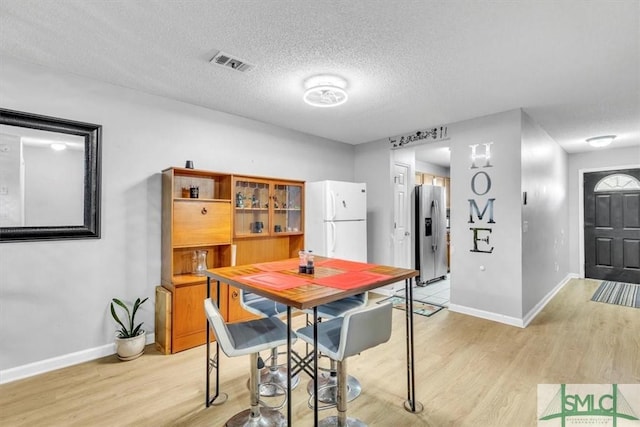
[(470, 372)]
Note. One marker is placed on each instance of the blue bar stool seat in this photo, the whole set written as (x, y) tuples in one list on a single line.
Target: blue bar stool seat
[(327, 380), (343, 337), (250, 337), (273, 378)]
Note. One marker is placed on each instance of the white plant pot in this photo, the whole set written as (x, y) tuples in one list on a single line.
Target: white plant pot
[(131, 348)]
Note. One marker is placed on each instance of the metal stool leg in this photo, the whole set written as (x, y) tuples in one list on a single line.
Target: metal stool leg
[(327, 386), (256, 416), (275, 375), (342, 420)]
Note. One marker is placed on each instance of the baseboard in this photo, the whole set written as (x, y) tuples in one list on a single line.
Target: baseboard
[(514, 321), (501, 318), (47, 365), (544, 301)]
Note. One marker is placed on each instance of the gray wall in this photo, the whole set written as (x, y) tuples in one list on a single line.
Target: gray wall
[(545, 229), (487, 283), (614, 158), (55, 295), (426, 167), (373, 166), (523, 156)]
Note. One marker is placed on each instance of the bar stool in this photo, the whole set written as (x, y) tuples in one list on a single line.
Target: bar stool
[(273, 378), (250, 337), (346, 336), (327, 380)]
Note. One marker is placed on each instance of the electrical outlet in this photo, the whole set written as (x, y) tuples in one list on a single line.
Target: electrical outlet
[(4, 190), (4, 148)]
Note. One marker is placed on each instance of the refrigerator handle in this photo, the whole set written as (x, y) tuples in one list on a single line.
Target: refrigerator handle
[(333, 205), (436, 225), (333, 239)]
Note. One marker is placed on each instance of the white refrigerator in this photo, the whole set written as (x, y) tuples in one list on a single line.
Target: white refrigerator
[(336, 219)]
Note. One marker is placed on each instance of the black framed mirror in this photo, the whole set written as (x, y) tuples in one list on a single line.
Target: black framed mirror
[(49, 178)]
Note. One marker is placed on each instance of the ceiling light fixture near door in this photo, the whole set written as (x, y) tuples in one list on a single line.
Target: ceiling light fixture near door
[(325, 91), (601, 141)]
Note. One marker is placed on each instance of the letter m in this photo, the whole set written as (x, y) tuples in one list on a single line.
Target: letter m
[(473, 208)]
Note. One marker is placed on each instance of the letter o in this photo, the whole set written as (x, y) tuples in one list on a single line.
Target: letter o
[(488, 183)]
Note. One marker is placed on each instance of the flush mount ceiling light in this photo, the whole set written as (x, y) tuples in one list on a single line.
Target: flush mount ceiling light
[(58, 146), (600, 141), (325, 91)]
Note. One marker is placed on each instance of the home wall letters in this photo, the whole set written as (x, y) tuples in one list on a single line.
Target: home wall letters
[(481, 186)]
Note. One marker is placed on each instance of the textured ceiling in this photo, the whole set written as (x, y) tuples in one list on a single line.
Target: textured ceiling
[(572, 65)]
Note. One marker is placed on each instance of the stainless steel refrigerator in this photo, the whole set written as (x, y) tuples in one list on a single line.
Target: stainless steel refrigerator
[(431, 230), (336, 219)]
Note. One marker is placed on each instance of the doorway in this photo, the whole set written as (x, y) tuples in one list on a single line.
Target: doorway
[(612, 225)]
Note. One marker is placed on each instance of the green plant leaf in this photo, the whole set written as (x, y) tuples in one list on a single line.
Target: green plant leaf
[(117, 319), (132, 331), (136, 306), (137, 331)]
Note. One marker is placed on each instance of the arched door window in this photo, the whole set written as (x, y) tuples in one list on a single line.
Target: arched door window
[(617, 182)]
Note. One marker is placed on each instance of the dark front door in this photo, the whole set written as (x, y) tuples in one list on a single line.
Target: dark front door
[(612, 225)]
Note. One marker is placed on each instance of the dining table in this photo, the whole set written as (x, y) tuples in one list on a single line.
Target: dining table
[(332, 279)]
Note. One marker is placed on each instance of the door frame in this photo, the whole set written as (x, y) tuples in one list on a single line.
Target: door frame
[(581, 173)]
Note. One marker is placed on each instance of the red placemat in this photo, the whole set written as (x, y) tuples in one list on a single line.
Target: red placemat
[(350, 279), (275, 280), (287, 264), (343, 264)]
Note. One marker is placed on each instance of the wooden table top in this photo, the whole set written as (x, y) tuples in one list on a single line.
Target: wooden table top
[(332, 280)]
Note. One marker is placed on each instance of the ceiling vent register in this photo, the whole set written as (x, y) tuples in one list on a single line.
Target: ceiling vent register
[(229, 61)]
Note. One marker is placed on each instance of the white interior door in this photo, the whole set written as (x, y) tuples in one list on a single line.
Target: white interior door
[(401, 216)]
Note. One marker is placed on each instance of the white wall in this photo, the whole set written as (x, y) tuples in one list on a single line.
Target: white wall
[(545, 229), (613, 158), (487, 284), (55, 294)]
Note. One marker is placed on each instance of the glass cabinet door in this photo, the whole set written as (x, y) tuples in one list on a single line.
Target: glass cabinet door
[(252, 199), (287, 208)]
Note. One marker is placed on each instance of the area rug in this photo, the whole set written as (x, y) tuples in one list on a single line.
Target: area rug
[(419, 307), (627, 294)]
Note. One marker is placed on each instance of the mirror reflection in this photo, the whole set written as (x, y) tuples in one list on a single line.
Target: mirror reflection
[(41, 178)]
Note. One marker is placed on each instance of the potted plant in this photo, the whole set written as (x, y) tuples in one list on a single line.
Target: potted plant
[(131, 338)]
